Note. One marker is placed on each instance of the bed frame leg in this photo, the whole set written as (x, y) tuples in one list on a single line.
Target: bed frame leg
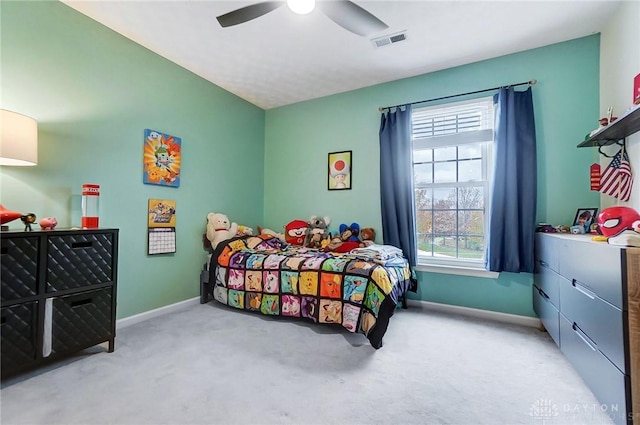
[(204, 285), (404, 301)]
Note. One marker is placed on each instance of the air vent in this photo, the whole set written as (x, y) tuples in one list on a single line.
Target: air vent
[(389, 39)]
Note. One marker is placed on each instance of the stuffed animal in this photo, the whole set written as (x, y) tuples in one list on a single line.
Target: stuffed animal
[(333, 244), (263, 231), (326, 242), (350, 233), (318, 231), (314, 241), (368, 235), (296, 232), (219, 228), (244, 231), (336, 244)]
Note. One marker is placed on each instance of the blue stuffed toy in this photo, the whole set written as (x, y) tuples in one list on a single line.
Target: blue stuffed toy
[(350, 233)]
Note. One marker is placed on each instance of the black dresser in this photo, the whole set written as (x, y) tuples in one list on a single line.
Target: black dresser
[(58, 294)]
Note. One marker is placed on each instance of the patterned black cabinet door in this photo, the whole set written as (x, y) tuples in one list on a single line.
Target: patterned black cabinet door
[(18, 328), (19, 260), (81, 320), (79, 260)]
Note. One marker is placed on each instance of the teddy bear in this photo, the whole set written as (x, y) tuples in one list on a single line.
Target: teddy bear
[(318, 231), (219, 228), (368, 235)]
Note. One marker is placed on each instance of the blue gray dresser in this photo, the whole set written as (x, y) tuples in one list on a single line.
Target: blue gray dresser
[(587, 295)]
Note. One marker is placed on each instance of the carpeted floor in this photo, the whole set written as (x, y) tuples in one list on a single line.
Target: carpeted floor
[(209, 364)]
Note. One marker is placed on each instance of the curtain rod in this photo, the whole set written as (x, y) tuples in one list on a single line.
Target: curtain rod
[(531, 82)]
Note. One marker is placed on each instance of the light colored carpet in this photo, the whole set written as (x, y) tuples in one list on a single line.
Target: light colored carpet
[(209, 364)]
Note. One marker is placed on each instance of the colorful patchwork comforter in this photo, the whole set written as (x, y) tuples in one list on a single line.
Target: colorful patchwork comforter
[(266, 275)]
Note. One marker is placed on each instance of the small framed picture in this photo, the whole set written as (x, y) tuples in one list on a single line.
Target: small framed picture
[(584, 218), (340, 170)]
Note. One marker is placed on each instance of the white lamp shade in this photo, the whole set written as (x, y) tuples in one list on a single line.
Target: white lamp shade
[(19, 139)]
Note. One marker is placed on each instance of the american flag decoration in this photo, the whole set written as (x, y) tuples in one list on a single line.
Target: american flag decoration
[(617, 179), (595, 176)]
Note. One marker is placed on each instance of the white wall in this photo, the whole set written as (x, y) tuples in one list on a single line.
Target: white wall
[(619, 64)]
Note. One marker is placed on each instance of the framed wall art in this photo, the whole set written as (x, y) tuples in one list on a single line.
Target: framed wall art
[(340, 170), (161, 160)]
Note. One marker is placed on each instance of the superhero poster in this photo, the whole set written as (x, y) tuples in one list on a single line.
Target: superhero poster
[(340, 170), (161, 160)]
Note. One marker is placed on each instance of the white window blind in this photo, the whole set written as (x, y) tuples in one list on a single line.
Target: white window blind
[(431, 125)]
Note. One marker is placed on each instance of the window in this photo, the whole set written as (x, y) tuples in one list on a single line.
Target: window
[(452, 164)]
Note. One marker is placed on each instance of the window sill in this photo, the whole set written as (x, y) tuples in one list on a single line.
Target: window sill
[(457, 270)]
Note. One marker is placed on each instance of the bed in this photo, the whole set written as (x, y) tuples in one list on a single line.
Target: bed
[(359, 290)]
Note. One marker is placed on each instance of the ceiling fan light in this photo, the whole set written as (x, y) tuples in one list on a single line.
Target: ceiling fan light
[(301, 7)]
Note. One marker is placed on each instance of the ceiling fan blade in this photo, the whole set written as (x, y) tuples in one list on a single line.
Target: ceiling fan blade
[(352, 17), (248, 13)]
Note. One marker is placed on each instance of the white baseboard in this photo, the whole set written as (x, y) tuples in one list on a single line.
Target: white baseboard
[(141, 317), (515, 319)]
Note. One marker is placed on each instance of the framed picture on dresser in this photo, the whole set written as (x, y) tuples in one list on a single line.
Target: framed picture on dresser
[(585, 217)]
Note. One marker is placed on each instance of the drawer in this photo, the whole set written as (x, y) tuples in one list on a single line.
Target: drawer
[(596, 266), (18, 328), (548, 280), (602, 322), (19, 262), (608, 384), (79, 260), (547, 313), (546, 250), (81, 320)]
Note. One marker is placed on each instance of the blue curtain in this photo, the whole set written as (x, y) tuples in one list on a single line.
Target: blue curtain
[(396, 182), (513, 205)]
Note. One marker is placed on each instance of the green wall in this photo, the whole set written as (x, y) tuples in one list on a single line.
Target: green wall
[(93, 93), (298, 138)]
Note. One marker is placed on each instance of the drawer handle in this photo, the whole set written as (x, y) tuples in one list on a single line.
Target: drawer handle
[(542, 294), (578, 332), (86, 244), (80, 303), (582, 289)]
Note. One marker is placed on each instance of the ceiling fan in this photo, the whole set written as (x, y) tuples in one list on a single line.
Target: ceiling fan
[(345, 13)]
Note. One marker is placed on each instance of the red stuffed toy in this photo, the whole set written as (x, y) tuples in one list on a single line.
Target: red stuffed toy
[(295, 232)]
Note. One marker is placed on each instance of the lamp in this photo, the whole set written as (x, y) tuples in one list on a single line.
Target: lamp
[(301, 7), (19, 139)]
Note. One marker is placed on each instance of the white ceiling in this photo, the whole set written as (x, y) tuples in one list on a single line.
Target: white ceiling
[(282, 58)]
